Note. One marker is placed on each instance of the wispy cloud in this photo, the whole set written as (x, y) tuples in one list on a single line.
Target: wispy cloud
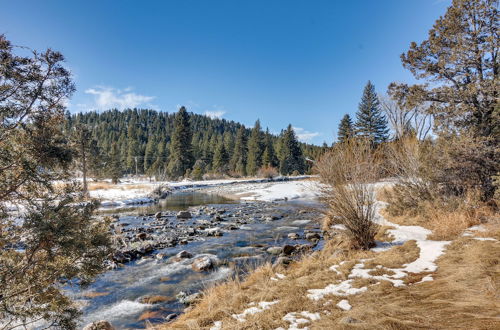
[(303, 135), (214, 114), (108, 98)]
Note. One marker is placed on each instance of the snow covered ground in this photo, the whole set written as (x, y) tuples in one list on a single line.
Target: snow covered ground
[(133, 191)]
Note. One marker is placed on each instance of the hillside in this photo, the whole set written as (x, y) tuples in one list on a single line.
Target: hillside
[(143, 139)]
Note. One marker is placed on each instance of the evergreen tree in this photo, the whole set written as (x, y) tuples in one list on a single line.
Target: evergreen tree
[(239, 159), (181, 157), (291, 157), (149, 154), (55, 240), (370, 121), (114, 168), (221, 158), (96, 160), (269, 156), (158, 168), (81, 139), (255, 149), (346, 129)]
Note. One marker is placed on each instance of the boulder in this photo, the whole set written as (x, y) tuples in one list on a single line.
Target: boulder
[(312, 236), (186, 299), (183, 255), (183, 215), (161, 256), (142, 236), (293, 236), (275, 250), (158, 215), (202, 264), (99, 325), (288, 249)]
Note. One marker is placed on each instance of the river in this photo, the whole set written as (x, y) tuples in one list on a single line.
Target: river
[(247, 230)]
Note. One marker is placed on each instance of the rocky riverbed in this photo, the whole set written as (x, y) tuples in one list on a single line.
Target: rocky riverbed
[(167, 257)]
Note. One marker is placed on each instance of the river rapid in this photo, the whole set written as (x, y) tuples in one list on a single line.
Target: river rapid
[(155, 284)]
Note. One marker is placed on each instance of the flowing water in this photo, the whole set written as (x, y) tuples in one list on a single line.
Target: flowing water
[(116, 295)]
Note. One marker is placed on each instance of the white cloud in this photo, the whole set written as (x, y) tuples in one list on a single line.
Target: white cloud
[(214, 114), (108, 98), (303, 135)]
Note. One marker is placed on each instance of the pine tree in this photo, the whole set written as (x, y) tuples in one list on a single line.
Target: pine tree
[(346, 129), (114, 168), (55, 239), (239, 159), (370, 121), (158, 168), (269, 156), (255, 149), (81, 139), (221, 158), (291, 157), (149, 154), (181, 157)]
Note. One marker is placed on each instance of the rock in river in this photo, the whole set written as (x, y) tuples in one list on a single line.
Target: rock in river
[(275, 250), (183, 255), (183, 215), (202, 264)]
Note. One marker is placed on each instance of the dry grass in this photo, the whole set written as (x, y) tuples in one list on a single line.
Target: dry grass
[(445, 224), (103, 185), (464, 293)]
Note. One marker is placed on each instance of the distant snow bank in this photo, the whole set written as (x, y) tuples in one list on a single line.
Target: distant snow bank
[(137, 191)]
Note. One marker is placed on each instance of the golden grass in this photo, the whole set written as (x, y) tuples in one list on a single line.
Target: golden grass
[(464, 293), (103, 185)]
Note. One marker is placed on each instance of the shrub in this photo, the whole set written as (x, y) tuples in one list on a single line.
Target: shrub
[(348, 172), (405, 162), (267, 172)]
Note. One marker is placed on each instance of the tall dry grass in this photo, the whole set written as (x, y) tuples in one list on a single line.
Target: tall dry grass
[(348, 172)]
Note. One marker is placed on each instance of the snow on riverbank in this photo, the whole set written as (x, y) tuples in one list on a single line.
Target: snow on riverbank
[(133, 192)]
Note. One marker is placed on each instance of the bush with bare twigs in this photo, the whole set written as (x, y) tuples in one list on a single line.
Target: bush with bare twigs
[(348, 172), (267, 172)]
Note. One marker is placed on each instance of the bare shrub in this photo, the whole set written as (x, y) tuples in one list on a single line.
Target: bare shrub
[(267, 172), (405, 161), (348, 172)]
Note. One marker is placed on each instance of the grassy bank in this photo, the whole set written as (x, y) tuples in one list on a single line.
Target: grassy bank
[(461, 293)]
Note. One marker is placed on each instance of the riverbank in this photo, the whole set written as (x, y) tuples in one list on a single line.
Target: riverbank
[(409, 281), (171, 251), (139, 192)]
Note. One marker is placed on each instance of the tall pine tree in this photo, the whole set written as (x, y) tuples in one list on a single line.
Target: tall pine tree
[(346, 129), (221, 158), (181, 157), (370, 121), (269, 156), (114, 167), (255, 148), (291, 157), (239, 159)]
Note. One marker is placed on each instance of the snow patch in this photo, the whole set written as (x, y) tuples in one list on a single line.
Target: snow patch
[(344, 304), (297, 319), (343, 288), (262, 306), (217, 325)]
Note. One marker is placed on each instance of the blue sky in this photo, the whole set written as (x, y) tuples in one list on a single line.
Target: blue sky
[(299, 62)]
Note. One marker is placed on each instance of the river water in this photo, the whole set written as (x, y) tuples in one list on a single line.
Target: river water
[(247, 229)]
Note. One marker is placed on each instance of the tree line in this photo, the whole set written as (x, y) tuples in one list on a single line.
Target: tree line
[(174, 145)]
